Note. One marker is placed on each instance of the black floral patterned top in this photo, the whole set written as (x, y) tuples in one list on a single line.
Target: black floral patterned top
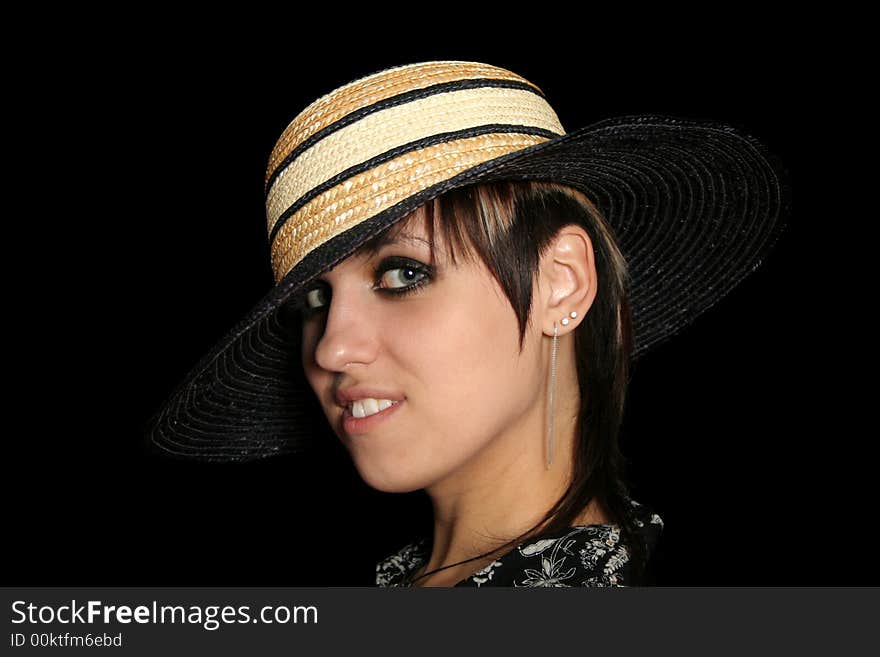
[(583, 555)]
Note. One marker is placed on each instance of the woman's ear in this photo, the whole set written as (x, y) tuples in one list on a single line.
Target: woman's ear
[(568, 279)]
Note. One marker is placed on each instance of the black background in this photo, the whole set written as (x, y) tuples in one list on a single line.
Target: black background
[(141, 184)]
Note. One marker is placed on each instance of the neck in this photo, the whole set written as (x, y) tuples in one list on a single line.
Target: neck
[(484, 504)]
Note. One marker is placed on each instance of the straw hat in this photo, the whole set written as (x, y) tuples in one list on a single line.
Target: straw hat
[(695, 206)]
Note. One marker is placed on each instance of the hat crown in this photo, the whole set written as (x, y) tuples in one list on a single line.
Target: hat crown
[(373, 142), (395, 82)]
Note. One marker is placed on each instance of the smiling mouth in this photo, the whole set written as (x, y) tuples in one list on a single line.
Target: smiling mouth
[(360, 409), (352, 425)]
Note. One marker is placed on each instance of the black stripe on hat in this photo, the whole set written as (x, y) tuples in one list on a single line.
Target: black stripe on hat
[(400, 99), (440, 137)]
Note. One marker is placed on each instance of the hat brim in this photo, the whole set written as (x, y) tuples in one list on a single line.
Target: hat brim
[(695, 205)]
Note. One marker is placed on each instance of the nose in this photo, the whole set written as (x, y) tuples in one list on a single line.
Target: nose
[(349, 331)]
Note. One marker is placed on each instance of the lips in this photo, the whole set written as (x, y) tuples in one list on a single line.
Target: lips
[(353, 426), (344, 396)]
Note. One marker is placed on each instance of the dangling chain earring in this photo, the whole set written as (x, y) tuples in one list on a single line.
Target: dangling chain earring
[(553, 386)]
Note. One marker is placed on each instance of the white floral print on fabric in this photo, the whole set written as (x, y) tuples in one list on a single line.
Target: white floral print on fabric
[(484, 575), (401, 563), (585, 555)]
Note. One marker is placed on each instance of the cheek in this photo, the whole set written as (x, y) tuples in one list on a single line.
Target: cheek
[(472, 377)]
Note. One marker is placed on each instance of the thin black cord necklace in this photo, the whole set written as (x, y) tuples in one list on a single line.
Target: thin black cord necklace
[(509, 543), (457, 563)]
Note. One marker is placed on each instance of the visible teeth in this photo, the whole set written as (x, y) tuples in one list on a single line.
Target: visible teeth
[(365, 407)]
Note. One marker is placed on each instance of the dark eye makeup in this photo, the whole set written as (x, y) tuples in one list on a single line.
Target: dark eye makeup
[(412, 276)]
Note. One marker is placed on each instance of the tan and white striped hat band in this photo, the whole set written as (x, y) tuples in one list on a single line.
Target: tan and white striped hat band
[(365, 146), (695, 205)]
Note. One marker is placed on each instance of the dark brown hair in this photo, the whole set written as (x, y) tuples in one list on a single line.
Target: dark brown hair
[(509, 225)]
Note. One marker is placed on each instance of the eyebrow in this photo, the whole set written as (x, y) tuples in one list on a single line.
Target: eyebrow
[(373, 246)]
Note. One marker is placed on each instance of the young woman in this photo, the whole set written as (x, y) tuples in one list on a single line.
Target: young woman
[(443, 324), (460, 289)]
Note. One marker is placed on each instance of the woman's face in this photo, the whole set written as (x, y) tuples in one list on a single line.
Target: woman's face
[(448, 348)]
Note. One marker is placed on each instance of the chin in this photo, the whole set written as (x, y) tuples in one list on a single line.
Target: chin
[(390, 482)]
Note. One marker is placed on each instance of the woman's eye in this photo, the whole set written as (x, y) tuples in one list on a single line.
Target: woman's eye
[(314, 298), (402, 276), (396, 280)]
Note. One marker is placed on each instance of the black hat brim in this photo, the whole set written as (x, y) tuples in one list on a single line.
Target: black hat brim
[(695, 205)]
